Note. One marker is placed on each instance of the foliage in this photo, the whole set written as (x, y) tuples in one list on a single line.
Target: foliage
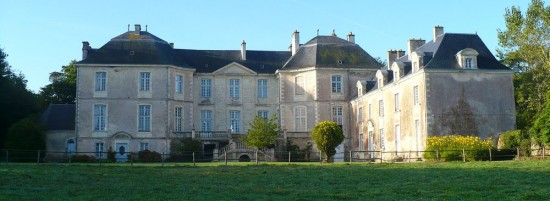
[(540, 130), (149, 156), (296, 153), (26, 134), (450, 147), (83, 159), (16, 102), (183, 149), (516, 139), (327, 135), (263, 132), (62, 88)]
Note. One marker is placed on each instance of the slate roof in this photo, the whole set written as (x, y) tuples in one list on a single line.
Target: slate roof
[(59, 117), (328, 51)]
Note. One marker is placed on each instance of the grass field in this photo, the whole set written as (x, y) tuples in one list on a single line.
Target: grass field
[(523, 180)]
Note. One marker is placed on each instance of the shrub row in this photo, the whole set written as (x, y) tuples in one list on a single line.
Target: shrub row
[(453, 145)]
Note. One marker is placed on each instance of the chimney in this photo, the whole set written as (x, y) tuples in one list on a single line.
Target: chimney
[(414, 43), (137, 29), (85, 48), (400, 53), (243, 50), (351, 37), (392, 55), (438, 30), (295, 41), (172, 45)]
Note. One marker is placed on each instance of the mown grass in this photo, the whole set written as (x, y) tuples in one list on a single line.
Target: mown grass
[(517, 180)]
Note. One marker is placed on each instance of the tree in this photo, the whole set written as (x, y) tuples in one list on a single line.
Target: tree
[(327, 135), (62, 88), (263, 132), (26, 134), (541, 127)]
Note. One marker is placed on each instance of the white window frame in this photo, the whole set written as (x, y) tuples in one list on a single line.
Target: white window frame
[(206, 120), (262, 88), (415, 95), (396, 102), (300, 118), (263, 113), (179, 84), (145, 81), (336, 84), (299, 85), (338, 115), (206, 88), (235, 121), (99, 149), (178, 119), (100, 117), (234, 88), (143, 146), (144, 118), (101, 81)]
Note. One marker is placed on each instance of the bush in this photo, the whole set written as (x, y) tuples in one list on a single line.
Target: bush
[(82, 159), (296, 153), (26, 134), (450, 147), (183, 149), (515, 139), (149, 156), (327, 135)]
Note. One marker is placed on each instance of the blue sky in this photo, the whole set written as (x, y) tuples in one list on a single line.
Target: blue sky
[(42, 36)]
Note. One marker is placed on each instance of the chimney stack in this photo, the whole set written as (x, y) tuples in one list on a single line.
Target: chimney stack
[(172, 45), (400, 53), (243, 50), (295, 41), (137, 29), (85, 48), (351, 37), (392, 55), (438, 30), (414, 43)]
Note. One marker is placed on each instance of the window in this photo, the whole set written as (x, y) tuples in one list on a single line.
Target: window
[(179, 84), (299, 85), (415, 91), (468, 63), (396, 98), (336, 84), (143, 146), (360, 114), (397, 138), (234, 88), (262, 88), (144, 81), (337, 115), (300, 117), (467, 58), (99, 149), (206, 88), (178, 123), (381, 108), (361, 144), (144, 118), (100, 81), (417, 131), (382, 138), (264, 114), (235, 121), (206, 120), (100, 117)]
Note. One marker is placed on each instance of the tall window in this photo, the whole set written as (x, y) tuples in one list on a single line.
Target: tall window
[(396, 98), (382, 138), (100, 117), (397, 138), (235, 121), (468, 63), (144, 118), (178, 117), (360, 114), (99, 148), (337, 115), (206, 88), (417, 131), (381, 108), (179, 84), (100, 81), (299, 85), (415, 94), (234, 88), (336, 84), (143, 146), (262, 88), (144, 81), (264, 114), (300, 117), (361, 143), (206, 120)]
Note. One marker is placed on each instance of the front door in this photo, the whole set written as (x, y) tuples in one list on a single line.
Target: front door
[(121, 152), (71, 147), (371, 145)]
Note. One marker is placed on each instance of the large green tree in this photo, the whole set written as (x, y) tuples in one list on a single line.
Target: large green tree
[(263, 132), (62, 88), (327, 135)]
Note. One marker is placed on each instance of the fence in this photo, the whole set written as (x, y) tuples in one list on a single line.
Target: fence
[(41, 156)]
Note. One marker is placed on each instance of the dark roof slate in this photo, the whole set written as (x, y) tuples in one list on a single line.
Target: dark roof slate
[(207, 61), (59, 117)]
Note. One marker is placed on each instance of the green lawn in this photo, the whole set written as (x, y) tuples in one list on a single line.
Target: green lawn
[(523, 180)]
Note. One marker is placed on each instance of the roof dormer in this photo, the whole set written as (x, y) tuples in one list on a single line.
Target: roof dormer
[(417, 60), (467, 58), (382, 78)]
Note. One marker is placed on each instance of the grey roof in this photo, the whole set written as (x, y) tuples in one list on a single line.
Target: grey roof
[(331, 52), (59, 117)]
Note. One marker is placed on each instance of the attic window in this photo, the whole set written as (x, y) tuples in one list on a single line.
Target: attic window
[(132, 52), (339, 61), (467, 58)]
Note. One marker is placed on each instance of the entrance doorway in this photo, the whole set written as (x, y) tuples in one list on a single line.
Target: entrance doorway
[(121, 155), (209, 151)]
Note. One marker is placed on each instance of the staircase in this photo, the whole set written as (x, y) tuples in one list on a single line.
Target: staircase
[(236, 149)]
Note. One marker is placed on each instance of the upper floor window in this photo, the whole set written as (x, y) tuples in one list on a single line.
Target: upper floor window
[(299, 84), (468, 63), (179, 84), (100, 81), (381, 108), (144, 81), (100, 117), (262, 88), (206, 88), (467, 58), (396, 98), (336, 84), (234, 88), (338, 115), (178, 119), (300, 118), (263, 113), (415, 94), (144, 118)]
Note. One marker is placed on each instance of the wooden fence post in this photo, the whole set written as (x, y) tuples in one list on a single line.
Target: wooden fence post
[(463, 155), (7, 156), (225, 157), (321, 157), (289, 157), (38, 157), (517, 152), (490, 155), (193, 158), (131, 159), (350, 157), (543, 151), (256, 156), (162, 159)]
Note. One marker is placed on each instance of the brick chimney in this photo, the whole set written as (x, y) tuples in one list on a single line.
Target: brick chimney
[(137, 29), (243, 50), (295, 41), (351, 37), (392, 55), (400, 53), (414, 43), (85, 48), (438, 30)]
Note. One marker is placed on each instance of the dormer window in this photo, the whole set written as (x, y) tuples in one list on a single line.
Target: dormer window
[(467, 58)]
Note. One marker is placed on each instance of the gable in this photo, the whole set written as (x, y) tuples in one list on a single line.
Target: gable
[(234, 69)]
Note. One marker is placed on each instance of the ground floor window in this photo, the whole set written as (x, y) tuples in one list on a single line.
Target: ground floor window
[(99, 149), (143, 146)]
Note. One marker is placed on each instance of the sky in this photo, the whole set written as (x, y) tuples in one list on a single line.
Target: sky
[(42, 36)]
